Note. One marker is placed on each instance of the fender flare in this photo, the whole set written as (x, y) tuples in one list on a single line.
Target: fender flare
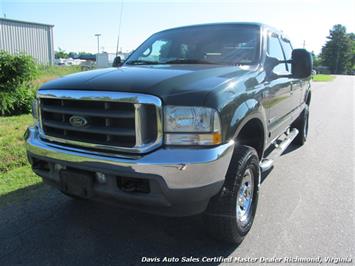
[(248, 110)]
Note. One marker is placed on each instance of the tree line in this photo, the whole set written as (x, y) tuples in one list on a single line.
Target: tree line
[(81, 55), (338, 53)]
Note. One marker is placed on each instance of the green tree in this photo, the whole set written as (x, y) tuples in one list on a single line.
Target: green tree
[(352, 37), (73, 55), (60, 54), (337, 52), (316, 60)]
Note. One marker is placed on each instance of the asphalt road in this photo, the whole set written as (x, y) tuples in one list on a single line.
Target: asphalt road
[(306, 208)]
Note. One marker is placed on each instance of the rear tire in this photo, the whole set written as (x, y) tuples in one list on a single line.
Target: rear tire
[(230, 214), (302, 125)]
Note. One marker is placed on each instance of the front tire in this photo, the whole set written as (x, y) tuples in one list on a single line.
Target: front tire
[(230, 214)]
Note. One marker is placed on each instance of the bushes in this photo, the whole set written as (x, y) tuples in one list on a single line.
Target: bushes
[(16, 89), (18, 101)]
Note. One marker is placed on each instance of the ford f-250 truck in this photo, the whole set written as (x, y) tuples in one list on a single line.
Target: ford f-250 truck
[(185, 125)]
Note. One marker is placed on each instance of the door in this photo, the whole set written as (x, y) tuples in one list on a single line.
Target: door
[(297, 85), (278, 100)]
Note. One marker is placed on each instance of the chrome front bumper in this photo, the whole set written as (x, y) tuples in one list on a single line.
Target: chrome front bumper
[(178, 167)]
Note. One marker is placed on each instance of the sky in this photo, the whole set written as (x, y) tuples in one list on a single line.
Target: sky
[(75, 22)]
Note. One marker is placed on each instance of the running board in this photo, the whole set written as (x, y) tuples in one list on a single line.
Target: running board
[(267, 162)]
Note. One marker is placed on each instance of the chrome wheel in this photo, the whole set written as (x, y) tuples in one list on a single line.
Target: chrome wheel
[(245, 198)]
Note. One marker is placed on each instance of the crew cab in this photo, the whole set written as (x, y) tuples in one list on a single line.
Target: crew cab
[(185, 125)]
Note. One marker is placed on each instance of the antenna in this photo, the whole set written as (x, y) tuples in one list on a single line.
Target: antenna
[(119, 29)]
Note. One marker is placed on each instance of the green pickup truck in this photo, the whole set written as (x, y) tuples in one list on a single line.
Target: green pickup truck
[(185, 125)]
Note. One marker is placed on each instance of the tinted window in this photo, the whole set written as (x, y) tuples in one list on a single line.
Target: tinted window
[(275, 50), (286, 45), (221, 44)]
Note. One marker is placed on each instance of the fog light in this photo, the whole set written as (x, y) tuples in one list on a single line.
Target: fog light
[(101, 178)]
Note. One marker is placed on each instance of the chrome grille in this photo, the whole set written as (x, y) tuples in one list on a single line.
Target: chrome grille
[(111, 121)]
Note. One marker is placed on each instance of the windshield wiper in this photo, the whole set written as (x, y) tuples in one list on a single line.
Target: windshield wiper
[(142, 62), (188, 61)]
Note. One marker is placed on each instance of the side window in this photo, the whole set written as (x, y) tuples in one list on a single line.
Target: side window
[(286, 45), (275, 50)]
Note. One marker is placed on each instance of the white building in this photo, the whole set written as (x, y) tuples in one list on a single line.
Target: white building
[(104, 59), (31, 38)]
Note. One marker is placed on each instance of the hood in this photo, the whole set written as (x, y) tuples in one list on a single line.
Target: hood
[(174, 84)]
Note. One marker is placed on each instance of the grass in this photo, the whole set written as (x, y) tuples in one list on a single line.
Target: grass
[(12, 153), (15, 172), (18, 178), (47, 73), (323, 77)]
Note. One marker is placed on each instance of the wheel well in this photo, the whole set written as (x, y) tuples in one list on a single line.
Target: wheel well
[(308, 100), (252, 134)]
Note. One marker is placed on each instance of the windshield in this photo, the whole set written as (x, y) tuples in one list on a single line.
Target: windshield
[(225, 44)]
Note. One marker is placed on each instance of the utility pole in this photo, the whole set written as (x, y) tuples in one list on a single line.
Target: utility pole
[(98, 42)]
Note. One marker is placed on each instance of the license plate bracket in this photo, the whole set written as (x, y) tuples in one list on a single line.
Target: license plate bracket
[(77, 183)]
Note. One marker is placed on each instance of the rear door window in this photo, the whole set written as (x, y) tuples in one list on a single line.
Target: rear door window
[(286, 45), (274, 50)]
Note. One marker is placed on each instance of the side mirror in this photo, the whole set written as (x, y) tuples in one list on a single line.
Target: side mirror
[(270, 63), (301, 63), (117, 61)]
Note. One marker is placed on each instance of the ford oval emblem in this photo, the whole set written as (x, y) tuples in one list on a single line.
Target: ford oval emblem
[(78, 121)]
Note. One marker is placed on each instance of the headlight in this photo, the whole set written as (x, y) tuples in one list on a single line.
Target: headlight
[(185, 125)]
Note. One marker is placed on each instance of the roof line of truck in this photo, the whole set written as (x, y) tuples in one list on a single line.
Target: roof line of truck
[(222, 23)]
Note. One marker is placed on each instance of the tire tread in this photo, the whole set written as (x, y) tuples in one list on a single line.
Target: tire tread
[(220, 214)]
